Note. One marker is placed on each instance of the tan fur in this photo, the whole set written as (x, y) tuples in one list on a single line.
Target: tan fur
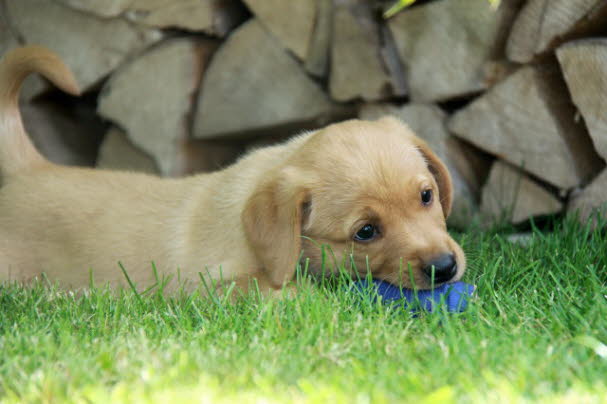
[(250, 220)]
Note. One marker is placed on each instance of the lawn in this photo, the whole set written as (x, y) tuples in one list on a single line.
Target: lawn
[(536, 332)]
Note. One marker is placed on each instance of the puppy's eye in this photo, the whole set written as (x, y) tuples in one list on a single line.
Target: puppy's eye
[(426, 197), (366, 233)]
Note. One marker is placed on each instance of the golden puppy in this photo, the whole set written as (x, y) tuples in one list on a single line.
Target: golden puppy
[(370, 190)]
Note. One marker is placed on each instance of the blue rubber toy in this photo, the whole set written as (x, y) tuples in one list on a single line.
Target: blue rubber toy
[(454, 295)]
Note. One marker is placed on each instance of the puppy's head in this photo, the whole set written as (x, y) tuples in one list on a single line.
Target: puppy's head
[(373, 193)]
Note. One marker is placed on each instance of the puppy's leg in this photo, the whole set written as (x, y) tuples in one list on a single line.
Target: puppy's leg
[(8, 272), (261, 282)]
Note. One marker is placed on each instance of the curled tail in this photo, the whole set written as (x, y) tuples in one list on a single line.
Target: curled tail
[(16, 150)]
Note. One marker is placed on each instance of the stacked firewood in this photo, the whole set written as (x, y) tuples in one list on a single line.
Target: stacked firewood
[(510, 94)]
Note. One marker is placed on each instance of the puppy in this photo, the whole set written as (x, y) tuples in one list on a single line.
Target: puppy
[(372, 191)]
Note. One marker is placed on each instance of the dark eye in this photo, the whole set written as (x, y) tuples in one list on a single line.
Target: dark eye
[(366, 233), (426, 197)]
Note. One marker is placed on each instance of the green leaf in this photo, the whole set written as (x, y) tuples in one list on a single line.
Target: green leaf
[(396, 7)]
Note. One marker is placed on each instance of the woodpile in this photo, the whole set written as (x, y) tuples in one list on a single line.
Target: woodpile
[(357, 68), (510, 97), (528, 120), (254, 85), (444, 46), (213, 17), (511, 195), (91, 46), (119, 153), (162, 83)]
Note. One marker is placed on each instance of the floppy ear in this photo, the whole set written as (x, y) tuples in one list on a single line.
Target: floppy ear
[(435, 165), (272, 220), (441, 175)]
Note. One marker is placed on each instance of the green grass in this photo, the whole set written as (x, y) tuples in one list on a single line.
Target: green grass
[(536, 332)]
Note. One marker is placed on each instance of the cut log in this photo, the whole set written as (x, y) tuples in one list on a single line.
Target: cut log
[(528, 120), (214, 17), (444, 45), (591, 200), (253, 84), (159, 125), (357, 70), (64, 135), (102, 8), (508, 11), (543, 24), (99, 46), (206, 156), (292, 22), (499, 67), (34, 84), (511, 196), (317, 60), (428, 122), (8, 40), (117, 152), (391, 59), (584, 65)]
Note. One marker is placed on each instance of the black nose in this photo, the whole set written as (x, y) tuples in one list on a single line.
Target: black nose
[(444, 268)]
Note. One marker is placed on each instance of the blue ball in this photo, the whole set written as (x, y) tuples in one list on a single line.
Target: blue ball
[(454, 295)]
